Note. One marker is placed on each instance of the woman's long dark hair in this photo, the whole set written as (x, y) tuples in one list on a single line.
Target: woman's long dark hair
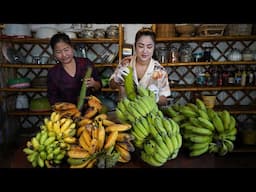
[(59, 37)]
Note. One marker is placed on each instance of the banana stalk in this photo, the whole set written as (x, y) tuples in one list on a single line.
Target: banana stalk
[(83, 89)]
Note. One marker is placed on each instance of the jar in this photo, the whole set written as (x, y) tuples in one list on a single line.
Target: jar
[(235, 55), (112, 31), (162, 54), (22, 102), (88, 33), (174, 55), (99, 33), (247, 55), (185, 53)]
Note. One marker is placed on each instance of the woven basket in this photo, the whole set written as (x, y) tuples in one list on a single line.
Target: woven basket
[(211, 30), (165, 30), (185, 30)]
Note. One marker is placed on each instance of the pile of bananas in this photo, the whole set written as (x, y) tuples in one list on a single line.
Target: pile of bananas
[(44, 150), (101, 143), (203, 129), (157, 137), (49, 146), (83, 140)]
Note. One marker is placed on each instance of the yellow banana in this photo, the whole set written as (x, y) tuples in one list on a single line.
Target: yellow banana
[(90, 112), (66, 125), (84, 122), (118, 127), (125, 155), (78, 153), (62, 106), (87, 137), (107, 122), (83, 144), (111, 139), (101, 135), (123, 137), (126, 145), (80, 131), (91, 163), (69, 140), (100, 117)]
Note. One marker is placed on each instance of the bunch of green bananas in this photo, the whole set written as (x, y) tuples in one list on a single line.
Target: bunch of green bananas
[(157, 137), (203, 129), (44, 150)]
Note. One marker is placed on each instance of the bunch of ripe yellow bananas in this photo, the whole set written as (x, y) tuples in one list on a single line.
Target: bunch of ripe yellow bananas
[(203, 129), (101, 143)]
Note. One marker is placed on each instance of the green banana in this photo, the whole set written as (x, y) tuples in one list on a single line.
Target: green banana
[(168, 126), (142, 111), (223, 150), (35, 143), (198, 130), (175, 142), (142, 91), (178, 118), (206, 123), (28, 151), (150, 160), (232, 124), (137, 137), (229, 144), (159, 126), (159, 158), (139, 130), (203, 114), (120, 115), (200, 104), (149, 147), (133, 110), (200, 139), (145, 124), (49, 140), (198, 152), (175, 126), (192, 106), (196, 146), (218, 124), (179, 140), (168, 142), (161, 148), (170, 112), (40, 162), (225, 116), (129, 84), (187, 111)]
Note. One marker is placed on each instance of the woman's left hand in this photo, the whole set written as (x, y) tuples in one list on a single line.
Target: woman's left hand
[(90, 82)]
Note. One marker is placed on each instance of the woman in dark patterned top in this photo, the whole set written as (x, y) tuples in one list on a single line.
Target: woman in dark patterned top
[(65, 78)]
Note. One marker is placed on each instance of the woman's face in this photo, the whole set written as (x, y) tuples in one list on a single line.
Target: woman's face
[(144, 48), (63, 52)]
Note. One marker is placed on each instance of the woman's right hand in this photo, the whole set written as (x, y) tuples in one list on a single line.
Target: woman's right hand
[(126, 60)]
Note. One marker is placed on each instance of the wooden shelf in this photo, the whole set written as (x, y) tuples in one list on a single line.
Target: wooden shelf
[(210, 88), (237, 109), (46, 66), (178, 64), (47, 40), (206, 38), (44, 90)]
